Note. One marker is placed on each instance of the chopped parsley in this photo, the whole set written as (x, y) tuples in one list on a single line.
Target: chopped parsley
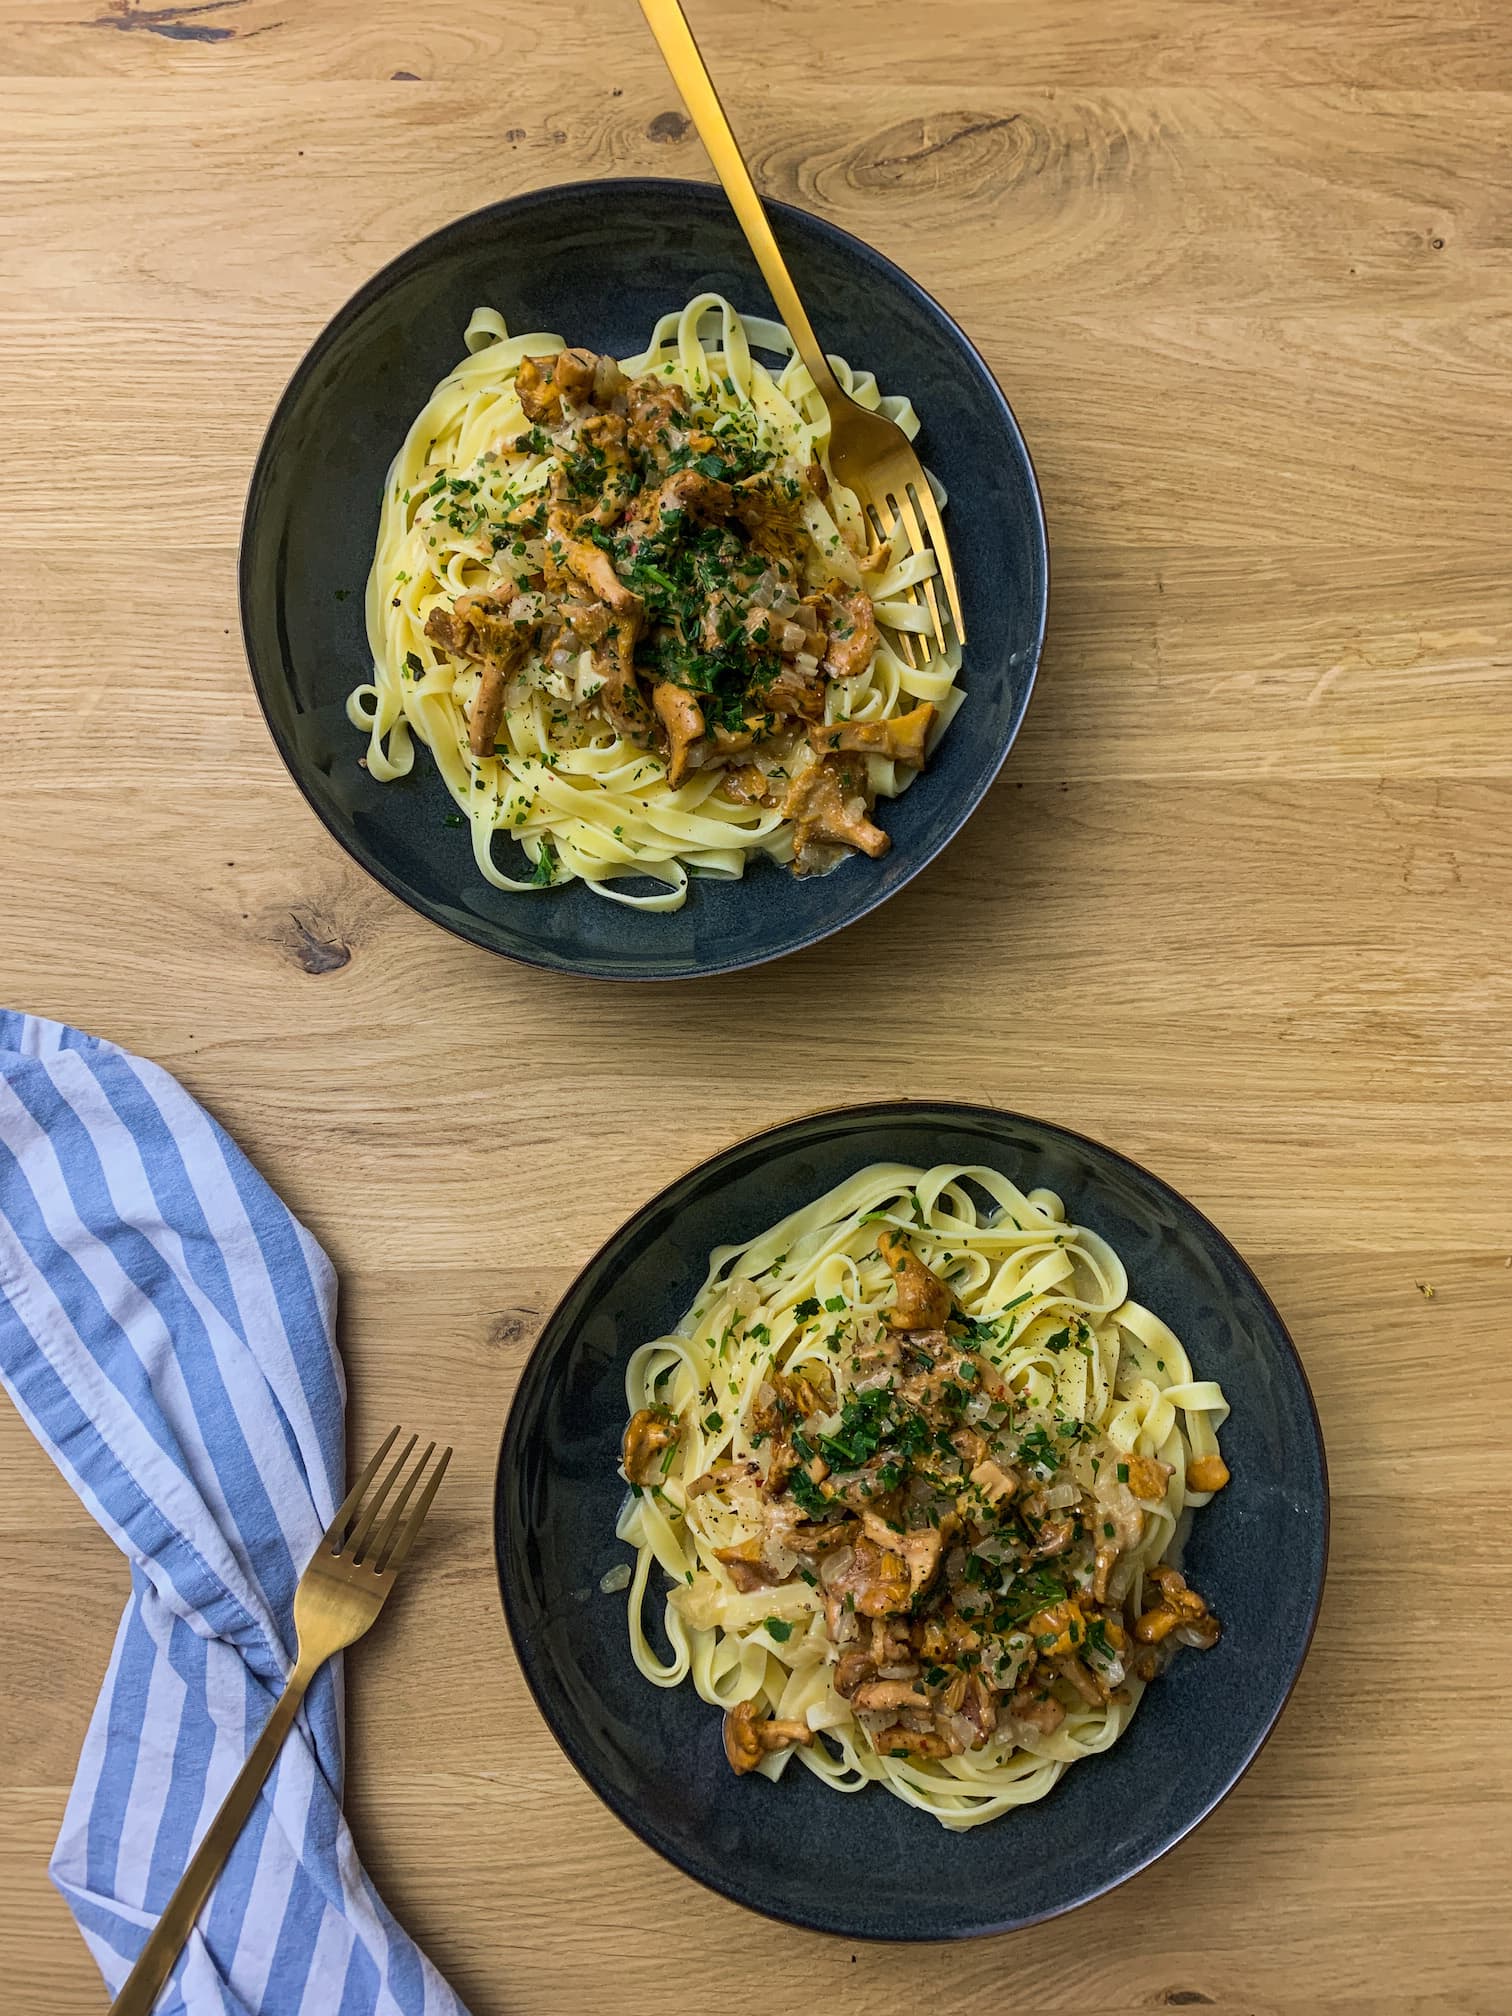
[(810, 1498), (546, 865)]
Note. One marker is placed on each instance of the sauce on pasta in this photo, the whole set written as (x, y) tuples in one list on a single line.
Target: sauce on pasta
[(641, 630), (912, 1471)]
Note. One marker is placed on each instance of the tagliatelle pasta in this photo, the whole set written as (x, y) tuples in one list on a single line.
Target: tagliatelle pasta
[(641, 630), (905, 1484)]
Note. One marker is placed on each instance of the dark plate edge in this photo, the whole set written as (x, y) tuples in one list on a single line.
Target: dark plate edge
[(875, 1112), (354, 306)]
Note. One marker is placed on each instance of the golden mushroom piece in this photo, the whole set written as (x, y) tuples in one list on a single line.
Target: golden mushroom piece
[(1178, 1609), (923, 1299), (647, 1435), (748, 1736), (900, 736), (1148, 1476)]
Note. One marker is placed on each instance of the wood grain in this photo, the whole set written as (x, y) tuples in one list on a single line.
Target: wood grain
[(1238, 904)]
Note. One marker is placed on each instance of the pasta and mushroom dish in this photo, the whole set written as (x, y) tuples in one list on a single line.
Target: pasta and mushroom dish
[(641, 629), (912, 1472)]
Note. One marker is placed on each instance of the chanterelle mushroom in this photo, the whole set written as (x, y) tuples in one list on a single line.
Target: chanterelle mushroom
[(875, 1578), (875, 1695), (575, 373), (647, 1435), (543, 382), (903, 737), (1148, 1476), (827, 805), (923, 1300), (1178, 1609), (920, 1549), (1207, 1473), (748, 1571), (903, 1741), (748, 1736), (851, 628), (681, 716), (1059, 1628), (478, 627)]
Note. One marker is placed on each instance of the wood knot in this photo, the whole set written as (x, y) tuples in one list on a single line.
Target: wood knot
[(668, 126), (174, 24), (313, 944), (1180, 1998), (513, 1326)]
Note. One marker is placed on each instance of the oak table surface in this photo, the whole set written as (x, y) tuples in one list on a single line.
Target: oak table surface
[(1238, 904)]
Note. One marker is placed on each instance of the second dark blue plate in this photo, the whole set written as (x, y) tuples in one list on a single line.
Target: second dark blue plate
[(600, 262), (865, 1865)]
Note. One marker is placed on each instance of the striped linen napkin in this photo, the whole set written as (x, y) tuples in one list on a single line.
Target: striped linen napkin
[(167, 1331)]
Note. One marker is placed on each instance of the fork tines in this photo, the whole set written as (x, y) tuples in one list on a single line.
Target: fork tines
[(350, 1533), (900, 510)]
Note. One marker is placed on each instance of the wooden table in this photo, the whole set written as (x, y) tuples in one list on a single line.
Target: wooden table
[(1238, 905)]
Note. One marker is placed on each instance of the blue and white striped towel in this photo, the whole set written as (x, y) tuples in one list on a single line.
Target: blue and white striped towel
[(167, 1331)]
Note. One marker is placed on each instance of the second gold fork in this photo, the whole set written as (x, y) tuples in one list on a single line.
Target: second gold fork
[(338, 1598)]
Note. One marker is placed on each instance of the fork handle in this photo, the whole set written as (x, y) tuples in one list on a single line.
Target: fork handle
[(166, 1940), (670, 27)]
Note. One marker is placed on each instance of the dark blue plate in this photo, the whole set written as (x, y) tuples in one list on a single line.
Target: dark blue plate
[(599, 262), (864, 1865)]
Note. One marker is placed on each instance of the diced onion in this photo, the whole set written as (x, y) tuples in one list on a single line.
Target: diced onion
[(964, 1731), (834, 1565), (608, 381), (1122, 1507), (589, 681), (997, 1548), (617, 1578)]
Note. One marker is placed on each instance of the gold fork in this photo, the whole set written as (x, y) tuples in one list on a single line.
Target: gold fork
[(870, 454), (338, 1598)]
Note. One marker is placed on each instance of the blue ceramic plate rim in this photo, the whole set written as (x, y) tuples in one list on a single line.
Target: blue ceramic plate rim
[(553, 1335), (417, 256)]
